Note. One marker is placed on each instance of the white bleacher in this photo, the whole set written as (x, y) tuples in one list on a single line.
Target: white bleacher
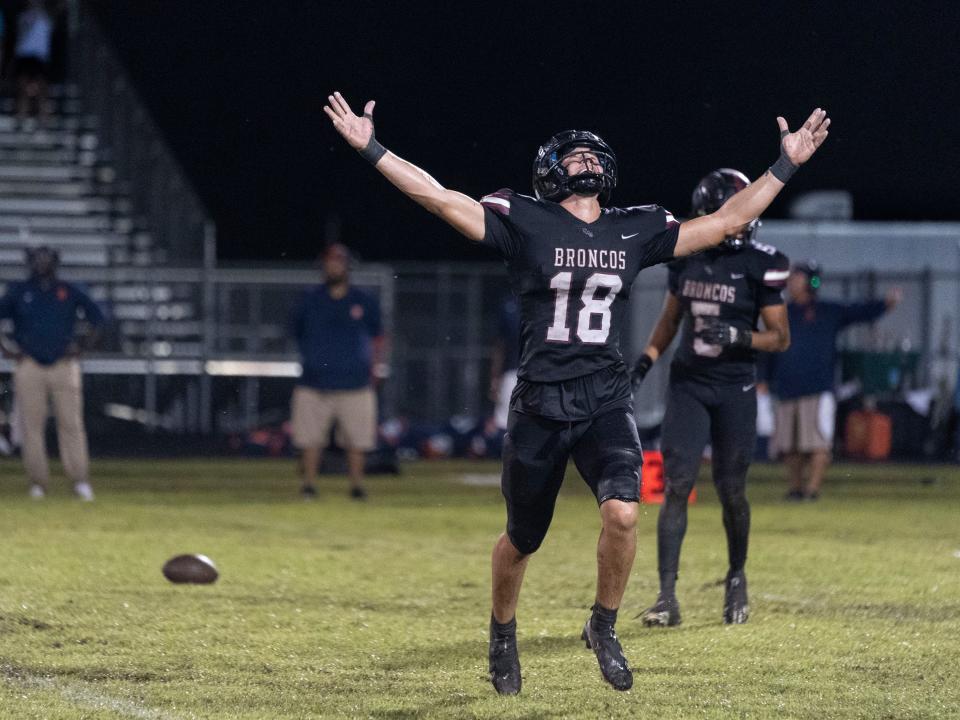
[(56, 189)]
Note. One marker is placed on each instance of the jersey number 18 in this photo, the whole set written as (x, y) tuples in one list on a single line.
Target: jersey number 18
[(559, 332)]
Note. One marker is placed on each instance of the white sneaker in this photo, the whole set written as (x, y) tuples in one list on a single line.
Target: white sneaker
[(37, 492), (83, 491)]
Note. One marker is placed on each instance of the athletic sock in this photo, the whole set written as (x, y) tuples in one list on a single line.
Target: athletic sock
[(668, 584), (671, 528), (602, 618), (502, 630), (736, 521)]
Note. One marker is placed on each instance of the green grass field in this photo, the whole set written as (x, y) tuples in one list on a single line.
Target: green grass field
[(338, 609)]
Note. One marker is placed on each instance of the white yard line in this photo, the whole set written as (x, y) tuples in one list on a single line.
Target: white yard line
[(790, 600), (83, 696), (478, 480)]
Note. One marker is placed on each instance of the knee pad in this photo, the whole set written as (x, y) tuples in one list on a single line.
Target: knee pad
[(679, 473), (678, 487), (621, 463), (732, 496), (526, 539), (620, 476)]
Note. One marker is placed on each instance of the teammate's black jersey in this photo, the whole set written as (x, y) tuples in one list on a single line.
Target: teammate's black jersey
[(730, 284), (573, 278)]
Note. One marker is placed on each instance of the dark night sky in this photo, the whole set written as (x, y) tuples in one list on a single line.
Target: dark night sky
[(468, 92)]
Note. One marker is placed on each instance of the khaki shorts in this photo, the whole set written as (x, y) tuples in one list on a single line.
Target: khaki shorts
[(805, 424), (315, 411)]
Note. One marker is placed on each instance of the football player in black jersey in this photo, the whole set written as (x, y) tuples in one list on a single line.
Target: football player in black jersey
[(571, 263), (715, 300)]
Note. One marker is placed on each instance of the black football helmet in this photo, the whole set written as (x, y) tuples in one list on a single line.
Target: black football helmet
[(713, 191), (550, 179)]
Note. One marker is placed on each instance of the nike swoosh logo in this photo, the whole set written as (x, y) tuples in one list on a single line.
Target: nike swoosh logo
[(748, 387), (627, 237), (736, 276)]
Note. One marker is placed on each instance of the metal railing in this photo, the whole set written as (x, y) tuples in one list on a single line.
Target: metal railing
[(133, 145), (212, 346), (173, 334)]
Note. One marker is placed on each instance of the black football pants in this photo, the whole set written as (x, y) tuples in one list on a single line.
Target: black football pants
[(726, 416)]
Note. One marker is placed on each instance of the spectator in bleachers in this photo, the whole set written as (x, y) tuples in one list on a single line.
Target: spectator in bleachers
[(505, 359), (341, 343), (44, 311), (802, 378), (32, 59)]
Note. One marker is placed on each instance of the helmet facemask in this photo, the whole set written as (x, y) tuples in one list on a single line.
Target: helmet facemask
[(742, 238), (551, 180)]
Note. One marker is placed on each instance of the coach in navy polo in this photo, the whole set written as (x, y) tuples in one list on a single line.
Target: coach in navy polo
[(44, 311), (341, 343), (802, 377)]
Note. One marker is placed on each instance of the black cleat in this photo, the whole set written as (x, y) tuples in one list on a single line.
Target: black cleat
[(504, 664), (664, 613), (613, 665), (308, 492), (794, 496), (736, 610), (358, 493)]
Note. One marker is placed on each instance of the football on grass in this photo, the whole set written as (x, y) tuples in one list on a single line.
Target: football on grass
[(197, 569)]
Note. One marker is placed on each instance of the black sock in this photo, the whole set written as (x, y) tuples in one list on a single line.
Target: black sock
[(668, 584), (736, 521), (671, 527), (602, 618), (502, 630)]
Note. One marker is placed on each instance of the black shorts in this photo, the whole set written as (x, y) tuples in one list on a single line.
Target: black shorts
[(579, 398), (605, 448), (698, 413)]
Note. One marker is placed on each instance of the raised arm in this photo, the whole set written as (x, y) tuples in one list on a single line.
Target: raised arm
[(795, 149), (463, 213)]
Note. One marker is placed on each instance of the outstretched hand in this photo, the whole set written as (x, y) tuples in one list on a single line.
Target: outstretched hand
[(356, 130), (800, 145)]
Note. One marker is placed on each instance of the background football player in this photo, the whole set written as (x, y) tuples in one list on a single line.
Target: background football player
[(571, 264), (717, 298)]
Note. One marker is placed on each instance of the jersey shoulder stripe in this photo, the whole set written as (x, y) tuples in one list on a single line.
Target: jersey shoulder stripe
[(498, 201), (503, 200), (669, 220), (773, 267), (642, 208), (776, 278)]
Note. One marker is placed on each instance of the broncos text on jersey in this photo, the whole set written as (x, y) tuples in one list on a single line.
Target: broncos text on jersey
[(573, 278), (733, 285)]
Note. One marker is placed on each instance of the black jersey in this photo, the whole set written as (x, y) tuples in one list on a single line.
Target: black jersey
[(573, 278), (730, 284)]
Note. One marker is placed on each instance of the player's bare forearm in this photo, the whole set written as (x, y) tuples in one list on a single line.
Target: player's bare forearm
[(710, 230), (775, 337), (461, 212), (666, 328), (796, 148), (464, 214)]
